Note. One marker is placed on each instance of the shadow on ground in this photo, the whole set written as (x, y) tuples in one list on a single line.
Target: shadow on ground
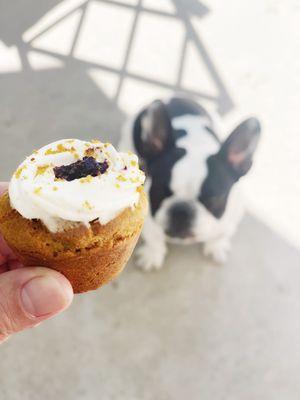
[(42, 105)]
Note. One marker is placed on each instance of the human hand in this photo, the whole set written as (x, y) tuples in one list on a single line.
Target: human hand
[(28, 295)]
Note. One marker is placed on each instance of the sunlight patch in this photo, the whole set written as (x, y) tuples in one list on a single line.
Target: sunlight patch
[(104, 35), (107, 82), (59, 38), (157, 48), (10, 59), (196, 76), (51, 17), (163, 5), (129, 2), (40, 61), (135, 94)]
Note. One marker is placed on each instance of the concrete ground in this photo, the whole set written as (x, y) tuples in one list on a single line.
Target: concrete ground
[(76, 68)]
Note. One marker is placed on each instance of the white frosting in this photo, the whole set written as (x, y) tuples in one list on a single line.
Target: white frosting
[(36, 194)]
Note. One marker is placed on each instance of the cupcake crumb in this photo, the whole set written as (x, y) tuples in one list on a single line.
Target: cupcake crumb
[(90, 152)]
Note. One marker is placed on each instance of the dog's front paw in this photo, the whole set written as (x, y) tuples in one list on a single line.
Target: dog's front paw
[(149, 258), (217, 249)]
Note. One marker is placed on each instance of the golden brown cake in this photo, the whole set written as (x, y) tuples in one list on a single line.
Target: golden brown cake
[(79, 212)]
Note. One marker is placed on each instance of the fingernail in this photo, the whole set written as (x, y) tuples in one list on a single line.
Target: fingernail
[(45, 295)]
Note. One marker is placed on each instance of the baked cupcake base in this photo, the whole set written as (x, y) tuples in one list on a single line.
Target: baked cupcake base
[(88, 257)]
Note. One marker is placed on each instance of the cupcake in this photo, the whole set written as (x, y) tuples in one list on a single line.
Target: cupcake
[(77, 207)]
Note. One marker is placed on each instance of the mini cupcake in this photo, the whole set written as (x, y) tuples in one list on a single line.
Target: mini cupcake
[(77, 207)]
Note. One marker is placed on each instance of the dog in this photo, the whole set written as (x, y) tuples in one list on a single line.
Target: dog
[(192, 177)]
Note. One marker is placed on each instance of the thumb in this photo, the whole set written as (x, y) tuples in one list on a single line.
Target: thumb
[(29, 296)]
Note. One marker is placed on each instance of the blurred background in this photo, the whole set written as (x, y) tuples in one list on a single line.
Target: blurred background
[(77, 68)]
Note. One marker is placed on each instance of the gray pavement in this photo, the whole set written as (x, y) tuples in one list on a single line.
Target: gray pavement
[(193, 330)]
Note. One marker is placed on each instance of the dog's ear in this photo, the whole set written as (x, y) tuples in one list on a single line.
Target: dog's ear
[(240, 146), (156, 133)]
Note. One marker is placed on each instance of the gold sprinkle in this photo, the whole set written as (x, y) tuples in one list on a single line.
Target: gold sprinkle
[(106, 145), (118, 186), (121, 178), (35, 152), (37, 190), (60, 148), (87, 205), (95, 141), (70, 141), (19, 171), (58, 179), (55, 188), (133, 163), (87, 179), (41, 169), (76, 156)]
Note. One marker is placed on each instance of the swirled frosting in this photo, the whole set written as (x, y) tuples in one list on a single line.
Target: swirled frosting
[(40, 190)]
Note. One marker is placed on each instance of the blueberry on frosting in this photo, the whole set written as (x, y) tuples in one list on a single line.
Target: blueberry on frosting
[(81, 169)]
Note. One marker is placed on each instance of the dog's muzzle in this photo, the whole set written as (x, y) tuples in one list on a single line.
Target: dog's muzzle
[(181, 217)]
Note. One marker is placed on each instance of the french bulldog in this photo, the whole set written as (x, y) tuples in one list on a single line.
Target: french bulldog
[(192, 177)]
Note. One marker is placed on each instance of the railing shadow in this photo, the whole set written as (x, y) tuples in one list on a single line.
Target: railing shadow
[(184, 11)]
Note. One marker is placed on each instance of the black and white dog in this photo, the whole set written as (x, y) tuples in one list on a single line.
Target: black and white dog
[(191, 177)]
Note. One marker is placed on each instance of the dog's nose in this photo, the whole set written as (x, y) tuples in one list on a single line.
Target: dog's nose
[(181, 217)]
